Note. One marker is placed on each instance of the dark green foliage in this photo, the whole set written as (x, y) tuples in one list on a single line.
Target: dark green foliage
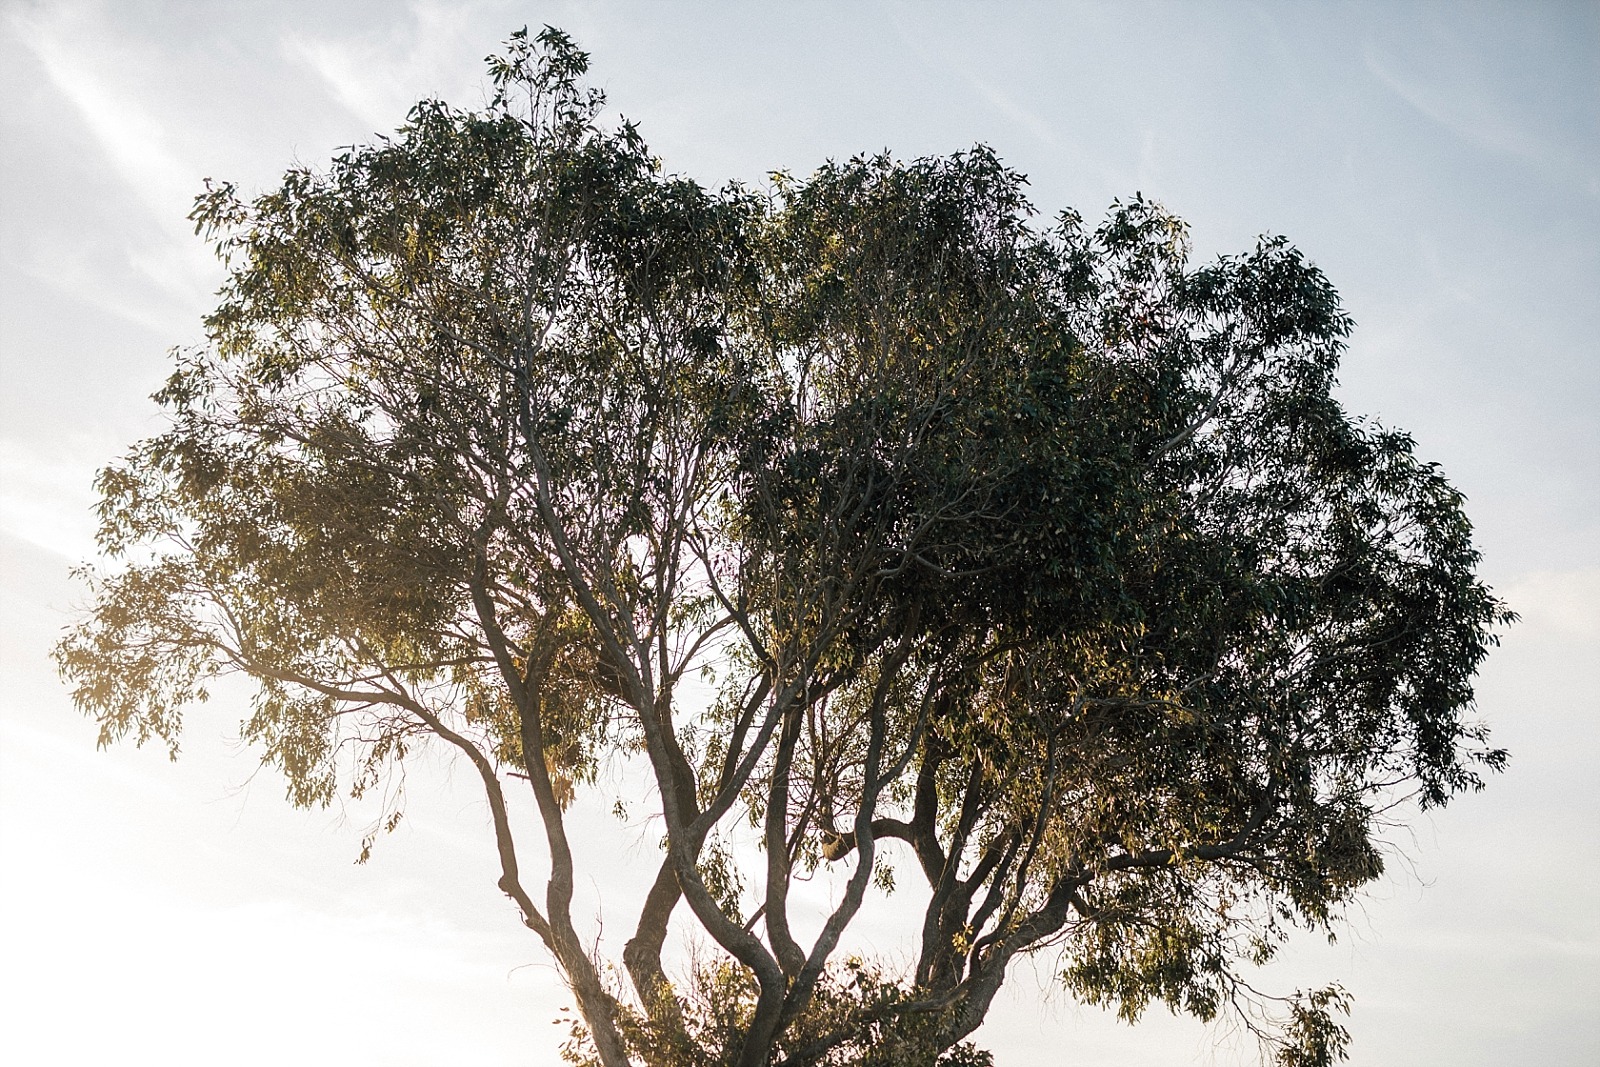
[(1032, 553)]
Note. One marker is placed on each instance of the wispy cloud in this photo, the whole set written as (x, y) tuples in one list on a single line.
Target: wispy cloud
[(378, 79), (46, 500), (1462, 108), (136, 149), (352, 77), (944, 62), (135, 143), (1558, 604), (1022, 116), (174, 275)]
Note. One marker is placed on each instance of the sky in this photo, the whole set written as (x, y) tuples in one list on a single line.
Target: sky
[(1440, 163)]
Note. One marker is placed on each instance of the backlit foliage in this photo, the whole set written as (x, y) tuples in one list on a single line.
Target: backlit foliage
[(1028, 556)]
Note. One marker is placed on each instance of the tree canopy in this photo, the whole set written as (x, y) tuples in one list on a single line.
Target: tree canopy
[(1031, 554)]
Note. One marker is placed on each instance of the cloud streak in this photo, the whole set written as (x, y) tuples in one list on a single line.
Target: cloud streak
[(134, 142), (138, 151), (1465, 113), (376, 80)]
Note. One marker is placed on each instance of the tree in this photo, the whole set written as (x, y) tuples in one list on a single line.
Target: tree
[(1034, 555)]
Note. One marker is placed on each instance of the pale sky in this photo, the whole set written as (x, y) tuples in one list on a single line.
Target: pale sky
[(1441, 163)]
